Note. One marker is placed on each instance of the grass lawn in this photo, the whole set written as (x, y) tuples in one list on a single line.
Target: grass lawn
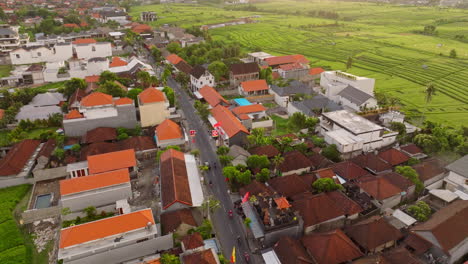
[(12, 245), (33, 134), (281, 126), (380, 38), (5, 70), (270, 105)]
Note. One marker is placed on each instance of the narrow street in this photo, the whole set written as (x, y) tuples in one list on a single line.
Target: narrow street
[(226, 229)]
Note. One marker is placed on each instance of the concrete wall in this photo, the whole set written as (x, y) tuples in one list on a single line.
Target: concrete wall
[(95, 50), (171, 142), (42, 54), (239, 139), (78, 127), (97, 198), (14, 181), (265, 124), (49, 174), (271, 237), (30, 216), (390, 202), (153, 114), (235, 80), (126, 252), (458, 251)]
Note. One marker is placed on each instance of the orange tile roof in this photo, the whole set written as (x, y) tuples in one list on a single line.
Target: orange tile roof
[(378, 187), (123, 101), (84, 41), (255, 85), (84, 24), (151, 95), (168, 129), (111, 161), (282, 203), (174, 59), (212, 96), (315, 71), (105, 227), (152, 261), (95, 99), (278, 60), (141, 28), (91, 182), (247, 109), (92, 79), (174, 179), (71, 25), (230, 124), (327, 173), (291, 66), (73, 114), (117, 62), (2, 113)]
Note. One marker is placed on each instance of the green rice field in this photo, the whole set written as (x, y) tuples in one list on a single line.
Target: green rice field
[(380, 38)]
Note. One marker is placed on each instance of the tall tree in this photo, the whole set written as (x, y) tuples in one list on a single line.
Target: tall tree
[(72, 85), (430, 91), (218, 69), (144, 78), (349, 63)]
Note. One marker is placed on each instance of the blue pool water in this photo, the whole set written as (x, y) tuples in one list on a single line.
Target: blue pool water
[(242, 101), (43, 201)]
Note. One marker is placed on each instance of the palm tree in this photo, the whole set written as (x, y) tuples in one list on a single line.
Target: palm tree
[(210, 205), (430, 91), (277, 160)]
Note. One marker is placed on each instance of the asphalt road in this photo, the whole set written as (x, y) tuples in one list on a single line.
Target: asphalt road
[(227, 229)]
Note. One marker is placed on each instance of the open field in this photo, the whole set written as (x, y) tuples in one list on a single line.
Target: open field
[(379, 37), (12, 245), (5, 70)]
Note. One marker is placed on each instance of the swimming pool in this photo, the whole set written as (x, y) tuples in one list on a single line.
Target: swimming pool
[(242, 101), (43, 201)]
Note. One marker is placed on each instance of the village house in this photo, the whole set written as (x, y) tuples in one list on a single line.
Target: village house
[(294, 163), (293, 70), (446, 231), (394, 157), (283, 96), (180, 181), (115, 239), (335, 81), (169, 133), (252, 88), (239, 154), (205, 256), (257, 57), (349, 171), (19, 160), (148, 16), (241, 72), (100, 190), (153, 106), (199, 77), (353, 134), (430, 171), (192, 243), (314, 106), (413, 151), (211, 96), (288, 186), (372, 163), (100, 134), (290, 250), (269, 150), (276, 61), (100, 110), (42, 107), (456, 181), (253, 116), (11, 39), (178, 222), (373, 235), (230, 130), (385, 193)]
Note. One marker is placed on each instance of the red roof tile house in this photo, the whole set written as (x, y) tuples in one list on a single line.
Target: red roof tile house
[(394, 157), (17, 160), (100, 110), (430, 171), (212, 97), (253, 116), (100, 190), (111, 240), (100, 134), (290, 250), (178, 222), (229, 128), (241, 72), (154, 107), (372, 163), (293, 70), (275, 62), (180, 181), (349, 171), (447, 230), (374, 234), (326, 210), (169, 133), (332, 247), (192, 243), (294, 163), (252, 88), (207, 256), (385, 193)]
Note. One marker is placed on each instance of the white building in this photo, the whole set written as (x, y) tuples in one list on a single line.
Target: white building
[(101, 190), (91, 49), (61, 71), (11, 39), (113, 240), (353, 134), (199, 77), (258, 57), (457, 178)]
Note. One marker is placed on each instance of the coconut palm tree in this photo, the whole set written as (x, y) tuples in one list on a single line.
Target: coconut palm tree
[(277, 160), (210, 205), (430, 91)]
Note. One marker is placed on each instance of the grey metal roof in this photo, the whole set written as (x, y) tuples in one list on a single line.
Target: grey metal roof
[(354, 95), (459, 166), (295, 87), (317, 102), (33, 113), (45, 99)]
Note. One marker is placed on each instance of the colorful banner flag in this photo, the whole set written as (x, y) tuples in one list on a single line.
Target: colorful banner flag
[(233, 256), (217, 124), (246, 197)]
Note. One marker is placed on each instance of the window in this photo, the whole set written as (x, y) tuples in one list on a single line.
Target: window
[(39, 54), (17, 56), (93, 48)]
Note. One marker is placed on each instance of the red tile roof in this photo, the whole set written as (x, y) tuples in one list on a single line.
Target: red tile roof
[(411, 149), (289, 185), (211, 96), (100, 134), (73, 114), (248, 109), (168, 129), (448, 226), (429, 169), (348, 206), (138, 143), (17, 157), (255, 85), (117, 62), (417, 243), (98, 148), (84, 41), (96, 99), (142, 28), (151, 95), (317, 209), (372, 162), (378, 187), (174, 59), (123, 101), (373, 232), (193, 241), (315, 71), (47, 148), (105, 227), (398, 256), (92, 182), (174, 179), (291, 66), (294, 160), (92, 79), (111, 161), (201, 257), (230, 124), (71, 25), (269, 150), (291, 251), (397, 180), (349, 170), (255, 188), (282, 203), (278, 60), (170, 221), (332, 247), (394, 157), (327, 173)]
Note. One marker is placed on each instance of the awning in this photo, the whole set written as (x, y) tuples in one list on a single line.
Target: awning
[(198, 95)]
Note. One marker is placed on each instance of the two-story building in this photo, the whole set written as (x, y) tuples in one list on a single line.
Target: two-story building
[(199, 77), (241, 72), (11, 39), (153, 106), (230, 130), (252, 88), (169, 133), (253, 116)]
